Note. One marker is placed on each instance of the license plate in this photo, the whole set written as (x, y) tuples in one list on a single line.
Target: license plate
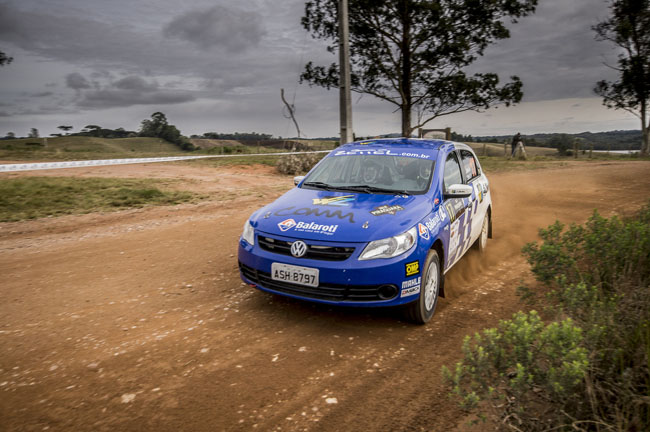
[(294, 274)]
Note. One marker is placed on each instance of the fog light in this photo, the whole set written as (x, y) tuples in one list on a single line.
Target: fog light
[(386, 292)]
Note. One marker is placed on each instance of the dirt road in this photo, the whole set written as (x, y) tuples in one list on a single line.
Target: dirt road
[(138, 320)]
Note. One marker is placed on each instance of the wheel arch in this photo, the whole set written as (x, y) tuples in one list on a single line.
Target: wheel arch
[(489, 213), (437, 246)]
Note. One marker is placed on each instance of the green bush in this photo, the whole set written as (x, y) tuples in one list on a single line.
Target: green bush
[(589, 369), (524, 369)]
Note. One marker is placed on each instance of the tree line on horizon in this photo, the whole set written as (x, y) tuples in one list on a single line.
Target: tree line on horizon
[(610, 140)]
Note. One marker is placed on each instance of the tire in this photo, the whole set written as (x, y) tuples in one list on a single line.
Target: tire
[(422, 310), (481, 241)]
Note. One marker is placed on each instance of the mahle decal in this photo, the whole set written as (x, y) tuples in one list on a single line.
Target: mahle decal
[(339, 201), (411, 287), (306, 211)]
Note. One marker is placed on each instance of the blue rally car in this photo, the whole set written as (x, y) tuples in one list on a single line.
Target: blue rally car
[(375, 223)]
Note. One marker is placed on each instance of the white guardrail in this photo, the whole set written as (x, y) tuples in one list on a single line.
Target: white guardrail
[(107, 162)]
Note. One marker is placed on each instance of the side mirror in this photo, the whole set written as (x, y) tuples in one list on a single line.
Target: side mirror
[(458, 191), (297, 179)]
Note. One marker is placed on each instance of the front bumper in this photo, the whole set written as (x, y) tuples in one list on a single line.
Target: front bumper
[(347, 282)]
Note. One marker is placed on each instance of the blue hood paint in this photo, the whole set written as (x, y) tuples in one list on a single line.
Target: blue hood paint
[(343, 222)]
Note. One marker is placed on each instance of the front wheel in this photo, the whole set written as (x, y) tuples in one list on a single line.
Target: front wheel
[(421, 310)]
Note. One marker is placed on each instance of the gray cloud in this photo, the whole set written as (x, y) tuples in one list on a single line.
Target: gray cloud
[(109, 98), (554, 51), (41, 94), (232, 64), (217, 27), (135, 83), (77, 81)]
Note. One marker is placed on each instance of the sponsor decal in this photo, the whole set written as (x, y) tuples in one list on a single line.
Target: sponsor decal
[(410, 291), (306, 211), (454, 237), (366, 142), (478, 192), (423, 231), (310, 227), (313, 227), (412, 282), (442, 214), (386, 209), (436, 201), (412, 268), (433, 223), (286, 225), (334, 201), (356, 152), (455, 208)]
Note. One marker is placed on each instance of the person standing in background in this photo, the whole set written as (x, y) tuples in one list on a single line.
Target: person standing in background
[(515, 140)]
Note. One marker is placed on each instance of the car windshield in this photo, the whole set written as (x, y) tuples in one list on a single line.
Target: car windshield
[(372, 174)]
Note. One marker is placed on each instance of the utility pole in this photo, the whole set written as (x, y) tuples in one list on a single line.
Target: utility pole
[(345, 103)]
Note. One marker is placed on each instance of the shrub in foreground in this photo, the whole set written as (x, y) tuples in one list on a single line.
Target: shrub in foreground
[(589, 368)]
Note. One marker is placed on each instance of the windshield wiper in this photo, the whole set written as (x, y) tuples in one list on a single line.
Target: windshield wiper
[(370, 189), (321, 185)]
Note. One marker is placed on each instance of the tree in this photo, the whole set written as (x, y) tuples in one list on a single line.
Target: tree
[(159, 128), (562, 142), (412, 53), (92, 130), (10, 135), (154, 127), (64, 128), (628, 27), (4, 59), (33, 133)]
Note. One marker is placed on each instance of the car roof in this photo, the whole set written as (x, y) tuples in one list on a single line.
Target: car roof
[(402, 144)]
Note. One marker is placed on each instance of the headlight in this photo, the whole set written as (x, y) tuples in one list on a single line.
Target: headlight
[(390, 247), (249, 233)]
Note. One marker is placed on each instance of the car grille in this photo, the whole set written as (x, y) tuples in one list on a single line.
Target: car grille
[(316, 252), (332, 292)]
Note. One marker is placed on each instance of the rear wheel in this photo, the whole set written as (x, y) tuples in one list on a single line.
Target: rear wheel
[(421, 310), (481, 242)]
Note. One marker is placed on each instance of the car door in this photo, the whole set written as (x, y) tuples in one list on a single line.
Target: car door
[(456, 210), (476, 206)]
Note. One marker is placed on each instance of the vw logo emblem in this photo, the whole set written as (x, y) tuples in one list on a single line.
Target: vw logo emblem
[(298, 249)]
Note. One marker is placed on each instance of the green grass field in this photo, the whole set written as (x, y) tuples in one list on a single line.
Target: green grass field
[(36, 197), (85, 148)]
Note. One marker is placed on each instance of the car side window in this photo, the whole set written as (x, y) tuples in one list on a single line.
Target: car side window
[(452, 171), (470, 165)]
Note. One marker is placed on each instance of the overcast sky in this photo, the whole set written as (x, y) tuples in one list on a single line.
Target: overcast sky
[(216, 65)]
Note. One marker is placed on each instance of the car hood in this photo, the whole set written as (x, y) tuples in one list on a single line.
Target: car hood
[(340, 216)]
